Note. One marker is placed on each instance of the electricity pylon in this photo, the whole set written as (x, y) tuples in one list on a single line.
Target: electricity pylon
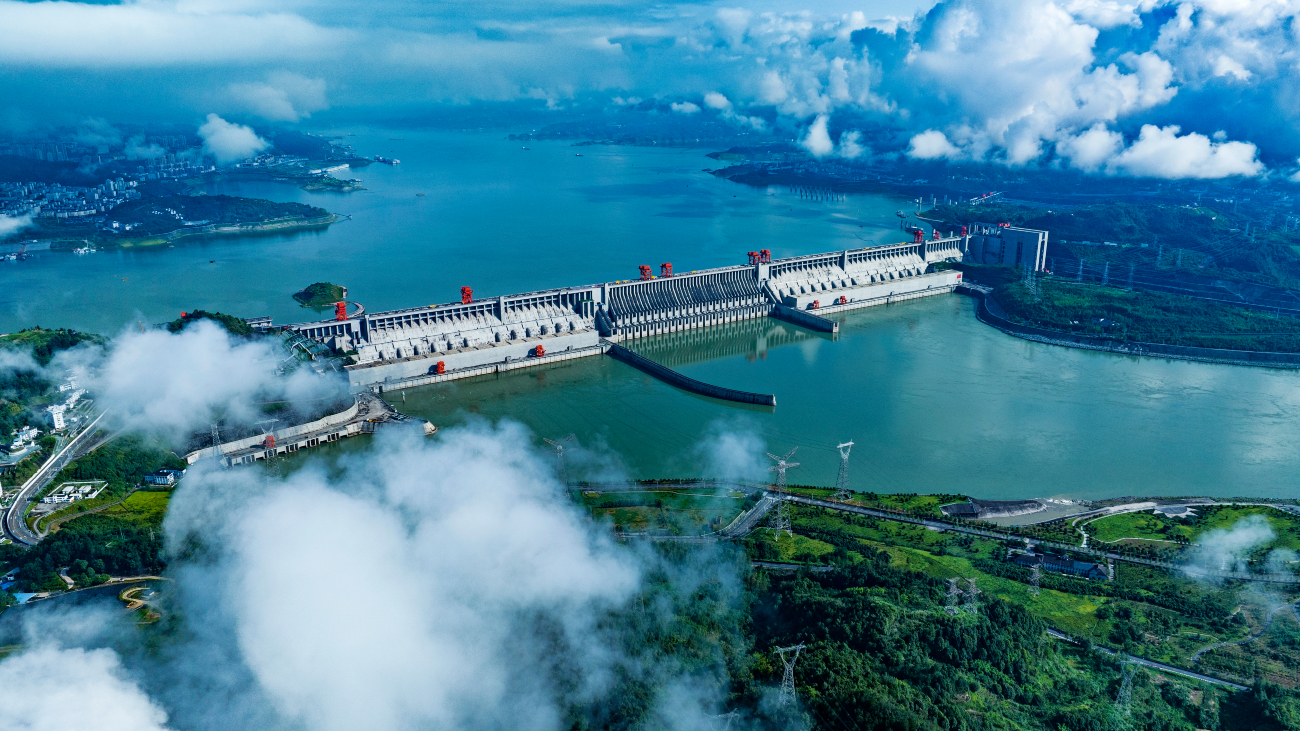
[(951, 604), (1122, 711), (1035, 577), (842, 482), (559, 454), (972, 597), (781, 519), (787, 679)]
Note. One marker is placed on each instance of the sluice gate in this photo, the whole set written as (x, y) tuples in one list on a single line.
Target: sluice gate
[(477, 336)]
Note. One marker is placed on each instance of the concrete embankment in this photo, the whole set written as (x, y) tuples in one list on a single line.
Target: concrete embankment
[(991, 313), (673, 378), (805, 319)]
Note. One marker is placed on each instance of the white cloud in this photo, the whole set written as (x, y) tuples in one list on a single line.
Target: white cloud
[(228, 142), (1226, 549), (818, 139), (10, 225), (714, 100), (50, 689), (1295, 177), (283, 97), (932, 145), (490, 577), (176, 383), (850, 147), (1091, 149), (1161, 153), (66, 34), (687, 108)]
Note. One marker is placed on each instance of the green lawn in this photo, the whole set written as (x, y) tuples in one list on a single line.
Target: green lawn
[(1285, 525), (145, 508), (1138, 525)]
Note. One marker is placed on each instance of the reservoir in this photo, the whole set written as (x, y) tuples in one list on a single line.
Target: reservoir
[(933, 399)]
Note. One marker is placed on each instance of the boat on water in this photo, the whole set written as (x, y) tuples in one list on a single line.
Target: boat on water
[(577, 154), (83, 251), (387, 160), (523, 148)]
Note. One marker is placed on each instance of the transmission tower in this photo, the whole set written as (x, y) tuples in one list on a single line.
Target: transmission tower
[(1122, 711), (842, 482), (216, 442), (787, 680), (972, 594), (951, 605), (1035, 577), (559, 454), (781, 519)]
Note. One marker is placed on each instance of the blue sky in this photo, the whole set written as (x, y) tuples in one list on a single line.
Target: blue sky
[(1197, 89)]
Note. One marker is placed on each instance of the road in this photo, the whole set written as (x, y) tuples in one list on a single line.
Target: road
[(15, 527), (982, 532), (1153, 664)]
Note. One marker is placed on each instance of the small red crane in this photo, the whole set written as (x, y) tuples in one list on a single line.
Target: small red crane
[(918, 236), (645, 271), (441, 368), (753, 257), (466, 295), (539, 351), (340, 311), (666, 269), (816, 305), (765, 256), (963, 230)]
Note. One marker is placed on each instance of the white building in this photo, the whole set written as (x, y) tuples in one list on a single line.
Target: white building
[(57, 416)]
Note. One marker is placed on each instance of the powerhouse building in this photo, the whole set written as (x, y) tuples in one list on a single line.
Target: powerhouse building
[(478, 336)]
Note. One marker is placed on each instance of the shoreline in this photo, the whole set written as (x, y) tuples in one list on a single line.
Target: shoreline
[(214, 229), (1217, 356)]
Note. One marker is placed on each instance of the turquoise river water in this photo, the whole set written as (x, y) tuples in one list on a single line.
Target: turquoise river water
[(933, 399)]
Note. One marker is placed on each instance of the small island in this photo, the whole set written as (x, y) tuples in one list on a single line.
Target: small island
[(321, 294)]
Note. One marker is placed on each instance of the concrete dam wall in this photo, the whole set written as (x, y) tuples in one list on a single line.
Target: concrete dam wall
[(470, 338)]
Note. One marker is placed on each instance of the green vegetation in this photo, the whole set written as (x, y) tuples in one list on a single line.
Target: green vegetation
[(233, 325), (1210, 239), (1151, 527), (146, 507), (150, 215), (44, 344), (122, 463), (92, 548), (22, 391), (660, 508), (321, 294), (1135, 316)]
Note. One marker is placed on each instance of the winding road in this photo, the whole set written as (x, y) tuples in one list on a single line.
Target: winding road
[(15, 526)]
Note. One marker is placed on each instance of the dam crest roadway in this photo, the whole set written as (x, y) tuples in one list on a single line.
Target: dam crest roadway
[(420, 346)]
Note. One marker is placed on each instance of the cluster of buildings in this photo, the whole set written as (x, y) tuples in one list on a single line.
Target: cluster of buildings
[(70, 492), (166, 477), (24, 443), (59, 413), (170, 166), (52, 200), (1061, 565)]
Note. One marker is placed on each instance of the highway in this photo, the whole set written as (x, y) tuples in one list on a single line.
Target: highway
[(15, 527)]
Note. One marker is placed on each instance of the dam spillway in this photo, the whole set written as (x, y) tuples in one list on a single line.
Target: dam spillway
[(421, 345)]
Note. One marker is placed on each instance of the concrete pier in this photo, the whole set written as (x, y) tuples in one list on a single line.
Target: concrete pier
[(672, 377)]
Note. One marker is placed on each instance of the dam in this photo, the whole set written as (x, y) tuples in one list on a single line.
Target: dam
[(422, 345)]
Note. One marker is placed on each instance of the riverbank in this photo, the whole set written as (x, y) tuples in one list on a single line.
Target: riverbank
[(990, 312)]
